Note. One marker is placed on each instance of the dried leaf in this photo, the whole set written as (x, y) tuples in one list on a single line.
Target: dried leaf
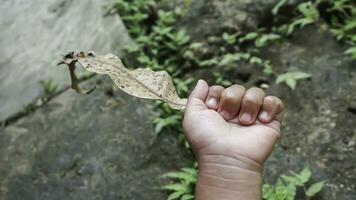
[(142, 83)]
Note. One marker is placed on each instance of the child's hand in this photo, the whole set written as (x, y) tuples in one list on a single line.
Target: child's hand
[(232, 131)]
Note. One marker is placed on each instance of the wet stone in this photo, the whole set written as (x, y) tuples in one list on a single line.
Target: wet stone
[(35, 34), (86, 147)]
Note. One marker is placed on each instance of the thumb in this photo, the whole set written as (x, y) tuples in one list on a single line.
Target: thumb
[(196, 100)]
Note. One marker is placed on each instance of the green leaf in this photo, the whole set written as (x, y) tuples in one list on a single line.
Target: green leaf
[(292, 180), (248, 37), (209, 62), (175, 187), (165, 17), (191, 171), (230, 39), (350, 25), (267, 68), (228, 59), (308, 9), (291, 83), (181, 176), (49, 87), (300, 75), (264, 39), (305, 175), (290, 78), (161, 30), (278, 6), (291, 191), (165, 122), (281, 191), (226, 83), (268, 192), (187, 197), (315, 188), (351, 51), (143, 59), (196, 45), (175, 195), (256, 60)]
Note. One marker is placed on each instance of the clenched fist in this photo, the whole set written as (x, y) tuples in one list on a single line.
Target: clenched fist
[(232, 131)]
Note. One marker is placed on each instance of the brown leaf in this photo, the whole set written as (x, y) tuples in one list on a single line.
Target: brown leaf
[(142, 83)]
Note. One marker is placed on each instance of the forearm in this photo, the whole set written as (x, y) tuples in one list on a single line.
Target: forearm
[(228, 181)]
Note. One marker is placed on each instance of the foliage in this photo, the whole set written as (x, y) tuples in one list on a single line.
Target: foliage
[(48, 86), (351, 51), (134, 14), (291, 78), (309, 15), (337, 16), (285, 189), (287, 186), (156, 42), (184, 183), (276, 8), (160, 123)]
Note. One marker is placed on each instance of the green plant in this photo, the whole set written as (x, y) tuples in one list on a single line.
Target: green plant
[(229, 39), (339, 17), (287, 186), (48, 86), (309, 15), (351, 51), (291, 78), (29, 107), (285, 189), (134, 14), (276, 8), (161, 123), (183, 183)]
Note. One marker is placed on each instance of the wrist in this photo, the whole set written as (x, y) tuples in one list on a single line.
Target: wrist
[(224, 177)]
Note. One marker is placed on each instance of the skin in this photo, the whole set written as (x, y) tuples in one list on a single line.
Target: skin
[(232, 131)]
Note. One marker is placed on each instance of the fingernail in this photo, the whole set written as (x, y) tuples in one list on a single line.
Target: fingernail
[(199, 82), (212, 103), (264, 116), (225, 114), (246, 117)]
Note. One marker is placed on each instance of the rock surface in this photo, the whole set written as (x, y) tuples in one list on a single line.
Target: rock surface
[(319, 128), (35, 33), (204, 18), (87, 147)]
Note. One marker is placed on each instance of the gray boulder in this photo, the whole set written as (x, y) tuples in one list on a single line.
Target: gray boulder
[(99, 146), (35, 33), (210, 17)]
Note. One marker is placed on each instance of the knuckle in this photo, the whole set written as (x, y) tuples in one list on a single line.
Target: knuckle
[(216, 88), (257, 90), (228, 95), (234, 92), (251, 100), (237, 87), (275, 101)]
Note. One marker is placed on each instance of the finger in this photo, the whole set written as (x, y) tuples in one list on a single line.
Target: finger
[(213, 99), (251, 105), (197, 97), (230, 101), (272, 108)]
